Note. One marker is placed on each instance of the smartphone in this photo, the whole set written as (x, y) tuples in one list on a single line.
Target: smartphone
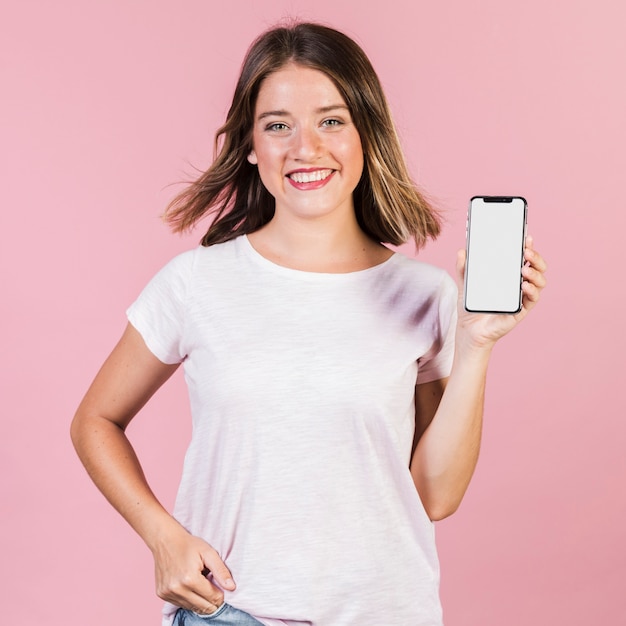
[(496, 231)]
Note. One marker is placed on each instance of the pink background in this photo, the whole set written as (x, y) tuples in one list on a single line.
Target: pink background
[(106, 104)]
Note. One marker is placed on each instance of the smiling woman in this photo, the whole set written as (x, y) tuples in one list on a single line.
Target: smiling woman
[(335, 416)]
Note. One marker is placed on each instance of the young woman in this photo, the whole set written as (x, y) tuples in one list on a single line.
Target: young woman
[(336, 386)]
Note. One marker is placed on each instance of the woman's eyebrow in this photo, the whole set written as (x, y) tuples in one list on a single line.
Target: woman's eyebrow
[(283, 113), (279, 113), (332, 107)]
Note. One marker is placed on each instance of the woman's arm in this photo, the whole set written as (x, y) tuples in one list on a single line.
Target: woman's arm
[(126, 381), (446, 454)]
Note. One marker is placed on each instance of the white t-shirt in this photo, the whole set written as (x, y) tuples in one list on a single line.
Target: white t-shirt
[(302, 398)]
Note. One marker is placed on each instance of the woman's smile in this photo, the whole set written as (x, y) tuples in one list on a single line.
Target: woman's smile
[(310, 179)]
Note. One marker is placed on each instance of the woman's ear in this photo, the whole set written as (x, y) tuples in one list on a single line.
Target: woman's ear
[(252, 157)]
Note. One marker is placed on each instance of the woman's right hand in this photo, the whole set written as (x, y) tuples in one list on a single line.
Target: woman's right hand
[(126, 381), (183, 564)]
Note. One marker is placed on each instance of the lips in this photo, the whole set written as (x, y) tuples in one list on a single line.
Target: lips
[(310, 179)]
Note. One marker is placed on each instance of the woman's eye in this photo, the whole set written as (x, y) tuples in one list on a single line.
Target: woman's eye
[(276, 126), (332, 122)]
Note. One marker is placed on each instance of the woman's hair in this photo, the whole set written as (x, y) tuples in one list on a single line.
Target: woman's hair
[(388, 205)]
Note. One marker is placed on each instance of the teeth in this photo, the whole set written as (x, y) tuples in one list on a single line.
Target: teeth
[(310, 177)]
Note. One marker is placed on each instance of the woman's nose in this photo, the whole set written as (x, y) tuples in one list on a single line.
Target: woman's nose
[(306, 144)]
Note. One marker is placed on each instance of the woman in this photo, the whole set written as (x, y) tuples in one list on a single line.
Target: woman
[(336, 394)]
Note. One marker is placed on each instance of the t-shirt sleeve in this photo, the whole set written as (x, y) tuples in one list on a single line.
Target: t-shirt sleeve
[(437, 362), (159, 311)]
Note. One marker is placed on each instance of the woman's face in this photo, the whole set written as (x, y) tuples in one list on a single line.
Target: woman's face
[(307, 149)]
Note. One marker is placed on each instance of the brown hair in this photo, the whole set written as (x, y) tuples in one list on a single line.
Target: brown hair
[(388, 205)]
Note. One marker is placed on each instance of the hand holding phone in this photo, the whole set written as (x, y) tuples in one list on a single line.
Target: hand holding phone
[(496, 231)]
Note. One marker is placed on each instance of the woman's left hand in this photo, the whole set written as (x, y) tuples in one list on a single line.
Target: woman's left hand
[(484, 329)]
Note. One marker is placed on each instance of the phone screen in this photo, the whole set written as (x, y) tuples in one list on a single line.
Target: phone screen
[(496, 228)]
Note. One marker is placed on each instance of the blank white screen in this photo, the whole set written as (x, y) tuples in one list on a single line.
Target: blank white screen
[(494, 255)]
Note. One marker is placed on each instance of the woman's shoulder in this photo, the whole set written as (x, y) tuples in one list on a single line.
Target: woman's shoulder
[(421, 272), (190, 272)]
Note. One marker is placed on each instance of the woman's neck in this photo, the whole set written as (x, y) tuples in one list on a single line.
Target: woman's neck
[(315, 246)]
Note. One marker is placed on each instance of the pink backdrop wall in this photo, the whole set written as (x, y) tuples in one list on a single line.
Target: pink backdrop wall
[(105, 105)]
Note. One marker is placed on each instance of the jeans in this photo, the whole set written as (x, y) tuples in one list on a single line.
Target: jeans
[(226, 615)]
